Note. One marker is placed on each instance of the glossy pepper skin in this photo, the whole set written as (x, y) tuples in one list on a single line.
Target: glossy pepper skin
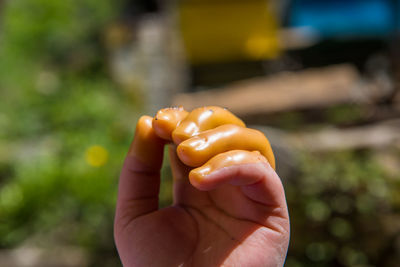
[(197, 150), (202, 119), (167, 120), (204, 133)]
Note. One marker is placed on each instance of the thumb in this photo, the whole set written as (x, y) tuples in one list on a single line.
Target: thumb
[(257, 180), (249, 170)]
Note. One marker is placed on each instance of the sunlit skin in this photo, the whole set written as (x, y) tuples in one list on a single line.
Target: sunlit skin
[(230, 211), (207, 175)]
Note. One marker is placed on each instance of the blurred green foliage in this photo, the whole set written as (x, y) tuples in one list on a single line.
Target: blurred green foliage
[(57, 101), (313, 119), (343, 206)]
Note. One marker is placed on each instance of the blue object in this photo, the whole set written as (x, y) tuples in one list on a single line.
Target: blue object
[(346, 18)]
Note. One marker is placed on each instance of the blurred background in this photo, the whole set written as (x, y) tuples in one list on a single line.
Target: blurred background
[(320, 78)]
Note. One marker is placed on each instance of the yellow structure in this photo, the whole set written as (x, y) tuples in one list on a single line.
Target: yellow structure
[(227, 30)]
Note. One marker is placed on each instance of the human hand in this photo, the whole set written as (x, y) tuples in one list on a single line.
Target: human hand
[(229, 210)]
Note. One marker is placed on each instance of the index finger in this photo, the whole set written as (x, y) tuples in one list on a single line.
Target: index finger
[(140, 176)]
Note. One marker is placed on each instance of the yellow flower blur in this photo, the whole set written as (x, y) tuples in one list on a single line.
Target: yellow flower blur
[(96, 156)]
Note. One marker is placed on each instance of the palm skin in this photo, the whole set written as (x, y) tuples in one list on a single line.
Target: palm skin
[(234, 223)]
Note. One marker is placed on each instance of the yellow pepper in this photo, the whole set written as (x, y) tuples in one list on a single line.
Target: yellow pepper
[(199, 149), (166, 121), (207, 132), (208, 138), (202, 119)]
